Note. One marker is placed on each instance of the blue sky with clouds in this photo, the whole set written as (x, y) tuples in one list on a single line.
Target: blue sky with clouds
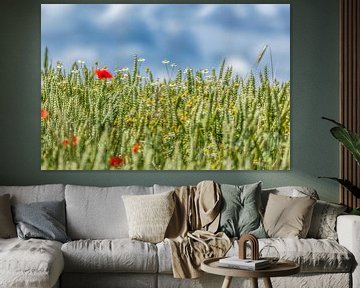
[(191, 35)]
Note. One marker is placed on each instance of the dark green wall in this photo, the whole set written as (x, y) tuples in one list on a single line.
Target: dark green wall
[(314, 80)]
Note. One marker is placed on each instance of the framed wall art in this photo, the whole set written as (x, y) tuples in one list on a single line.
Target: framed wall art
[(165, 86)]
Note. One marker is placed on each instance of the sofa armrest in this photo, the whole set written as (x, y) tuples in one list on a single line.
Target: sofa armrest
[(348, 230)]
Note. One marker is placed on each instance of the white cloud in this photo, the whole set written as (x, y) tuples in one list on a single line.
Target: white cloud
[(56, 17), (239, 64), (242, 10), (112, 14), (56, 11), (268, 10), (206, 10), (149, 14)]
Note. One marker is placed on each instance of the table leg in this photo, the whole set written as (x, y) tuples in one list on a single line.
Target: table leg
[(227, 282), (254, 282), (267, 283)]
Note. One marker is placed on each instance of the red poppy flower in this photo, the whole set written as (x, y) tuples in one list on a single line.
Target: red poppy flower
[(74, 140), (135, 148), (65, 141), (103, 74), (44, 114), (116, 161)]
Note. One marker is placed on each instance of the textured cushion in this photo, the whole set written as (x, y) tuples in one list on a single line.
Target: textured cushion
[(313, 255), (292, 191), (149, 215), (287, 216), (240, 213), (98, 213), (36, 193), (44, 220), (30, 263), (323, 222), (117, 255), (7, 227)]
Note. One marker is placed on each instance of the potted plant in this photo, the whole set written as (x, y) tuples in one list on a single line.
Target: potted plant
[(351, 141)]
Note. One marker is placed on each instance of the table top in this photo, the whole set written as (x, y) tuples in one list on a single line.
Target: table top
[(281, 268)]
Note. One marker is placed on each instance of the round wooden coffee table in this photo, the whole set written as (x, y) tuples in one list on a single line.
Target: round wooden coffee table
[(281, 268)]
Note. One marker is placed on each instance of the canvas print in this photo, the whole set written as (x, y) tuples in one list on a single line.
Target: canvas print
[(165, 87)]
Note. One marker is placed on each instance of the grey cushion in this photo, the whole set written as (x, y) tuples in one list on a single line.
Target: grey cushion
[(312, 255), (30, 263), (44, 220), (240, 213), (323, 222), (117, 255), (7, 227), (98, 213), (36, 193)]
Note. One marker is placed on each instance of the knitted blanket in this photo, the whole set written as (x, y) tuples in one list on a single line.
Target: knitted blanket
[(191, 232)]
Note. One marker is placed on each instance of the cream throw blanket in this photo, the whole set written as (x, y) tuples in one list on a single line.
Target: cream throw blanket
[(191, 231)]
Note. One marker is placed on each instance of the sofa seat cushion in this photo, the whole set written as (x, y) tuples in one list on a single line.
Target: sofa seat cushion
[(30, 263), (313, 255), (115, 255)]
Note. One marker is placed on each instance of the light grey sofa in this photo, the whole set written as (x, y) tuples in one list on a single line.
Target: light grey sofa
[(101, 255)]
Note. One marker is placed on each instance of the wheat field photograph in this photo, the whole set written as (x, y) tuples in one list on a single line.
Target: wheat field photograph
[(165, 87)]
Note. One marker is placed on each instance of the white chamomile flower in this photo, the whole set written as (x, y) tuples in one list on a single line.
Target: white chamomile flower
[(141, 59), (165, 61)]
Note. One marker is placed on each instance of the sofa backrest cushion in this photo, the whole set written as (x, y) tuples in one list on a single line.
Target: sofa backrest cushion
[(36, 193), (98, 212), (163, 188), (7, 226)]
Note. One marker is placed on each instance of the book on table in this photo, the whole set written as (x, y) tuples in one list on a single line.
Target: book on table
[(236, 262)]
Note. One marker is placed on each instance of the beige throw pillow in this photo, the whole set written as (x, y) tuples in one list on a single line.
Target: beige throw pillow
[(288, 217), (149, 215), (7, 226)]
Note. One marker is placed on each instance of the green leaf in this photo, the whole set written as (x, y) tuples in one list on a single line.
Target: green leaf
[(355, 211), (347, 184), (349, 139)]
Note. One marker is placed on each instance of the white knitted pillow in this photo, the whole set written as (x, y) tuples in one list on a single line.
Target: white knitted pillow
[(149, 215)]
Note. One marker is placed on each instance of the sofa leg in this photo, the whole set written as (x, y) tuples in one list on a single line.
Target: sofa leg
[(254, 282)]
